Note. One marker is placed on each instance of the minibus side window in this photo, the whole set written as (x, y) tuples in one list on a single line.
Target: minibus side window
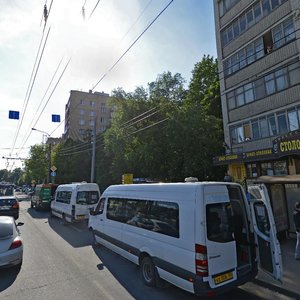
[(100, 206), (87, 197), (64, 197), (158, 216)]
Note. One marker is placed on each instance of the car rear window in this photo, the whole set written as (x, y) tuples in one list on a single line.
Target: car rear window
[(6, 191), (7, 202), (6, 230)]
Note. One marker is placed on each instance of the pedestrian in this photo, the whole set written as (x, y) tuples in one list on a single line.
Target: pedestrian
[(297, 225)]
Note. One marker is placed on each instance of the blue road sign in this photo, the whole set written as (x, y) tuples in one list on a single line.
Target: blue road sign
[(56, 118), (53, 174), (14, 115)]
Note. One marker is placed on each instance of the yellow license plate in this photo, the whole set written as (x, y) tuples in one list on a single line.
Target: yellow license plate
[(224, 277), (80, 217)]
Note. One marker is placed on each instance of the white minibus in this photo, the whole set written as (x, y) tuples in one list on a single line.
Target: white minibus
[(204, 237), (73, 202)]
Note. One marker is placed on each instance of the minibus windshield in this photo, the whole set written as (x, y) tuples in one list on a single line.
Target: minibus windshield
[(87, 197)]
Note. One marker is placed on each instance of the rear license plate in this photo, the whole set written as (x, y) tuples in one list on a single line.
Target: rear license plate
[(5, 207), (224, 277), (80, 217)]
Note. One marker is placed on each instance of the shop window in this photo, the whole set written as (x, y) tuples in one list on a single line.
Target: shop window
[(252, 170), (280, 168), (267, 169)]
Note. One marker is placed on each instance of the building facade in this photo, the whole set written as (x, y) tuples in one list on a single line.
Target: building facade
[(258, 50), (86, 112)]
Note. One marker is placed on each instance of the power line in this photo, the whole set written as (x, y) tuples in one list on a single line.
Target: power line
[(134, 42), (30, 125), (94, 9), (30, 90)]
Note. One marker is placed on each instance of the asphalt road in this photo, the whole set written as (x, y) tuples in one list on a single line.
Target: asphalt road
[(60, 263)]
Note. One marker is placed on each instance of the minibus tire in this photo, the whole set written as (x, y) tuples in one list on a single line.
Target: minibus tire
[(64, 221), (148, 272), (95, 243)]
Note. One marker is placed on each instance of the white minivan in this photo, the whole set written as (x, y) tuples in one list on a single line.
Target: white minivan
[(73, 202), (204, 237)]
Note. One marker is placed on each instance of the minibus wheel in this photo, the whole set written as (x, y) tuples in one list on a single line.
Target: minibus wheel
[(148, 272), (64, 220)]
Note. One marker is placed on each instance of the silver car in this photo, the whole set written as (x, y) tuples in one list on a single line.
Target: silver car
[(11, 244)]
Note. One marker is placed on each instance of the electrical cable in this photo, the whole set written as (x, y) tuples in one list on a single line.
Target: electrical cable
[(29, 94), (30, 125), (132, 44), (94, 9)]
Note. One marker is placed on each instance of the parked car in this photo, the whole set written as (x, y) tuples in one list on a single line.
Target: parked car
[(9, 205), (11, 244)]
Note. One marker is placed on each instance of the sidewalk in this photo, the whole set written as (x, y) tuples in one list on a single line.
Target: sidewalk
[(291, 272)]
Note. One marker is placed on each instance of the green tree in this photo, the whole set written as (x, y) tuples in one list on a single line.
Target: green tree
[(36, 166)]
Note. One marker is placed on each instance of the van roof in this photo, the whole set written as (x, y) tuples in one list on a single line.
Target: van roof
[(73, 185), (180, 188)]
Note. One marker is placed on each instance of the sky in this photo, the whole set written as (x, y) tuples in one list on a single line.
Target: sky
[(175, 42)]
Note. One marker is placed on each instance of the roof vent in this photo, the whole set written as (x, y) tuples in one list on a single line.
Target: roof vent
[(191, 179)]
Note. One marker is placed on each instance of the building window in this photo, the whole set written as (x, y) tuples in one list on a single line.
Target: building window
[(255, 129), (81, 122), (81, 112), (103, 108), (253, 15), (272, 125), (92, 103), (92, 123), (282, 123), (264, 130), (293, 120), (265, 86), (92, 113), (82, 102)]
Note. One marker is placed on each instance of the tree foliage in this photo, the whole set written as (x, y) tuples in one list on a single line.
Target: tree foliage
[(163, 132)]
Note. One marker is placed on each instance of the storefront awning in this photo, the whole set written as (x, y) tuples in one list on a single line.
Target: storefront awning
[(279, 179)]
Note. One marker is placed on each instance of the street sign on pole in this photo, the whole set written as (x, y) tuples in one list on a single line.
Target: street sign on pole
[(14, 115), (56, 118), (53, 174), (53, 168)]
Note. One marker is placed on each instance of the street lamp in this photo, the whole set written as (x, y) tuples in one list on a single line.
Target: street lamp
[(49, 158)]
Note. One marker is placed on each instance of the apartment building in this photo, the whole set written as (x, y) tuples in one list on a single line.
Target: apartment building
[(258, 50), (86, 112)]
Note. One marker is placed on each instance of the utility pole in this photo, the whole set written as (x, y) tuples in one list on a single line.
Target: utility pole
[(93, 152)]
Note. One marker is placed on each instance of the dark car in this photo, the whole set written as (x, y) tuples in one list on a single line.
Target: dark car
[(9, 205)]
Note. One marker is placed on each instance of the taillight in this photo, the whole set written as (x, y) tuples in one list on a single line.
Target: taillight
[(15, 205), (15, 244), (201, 260)]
